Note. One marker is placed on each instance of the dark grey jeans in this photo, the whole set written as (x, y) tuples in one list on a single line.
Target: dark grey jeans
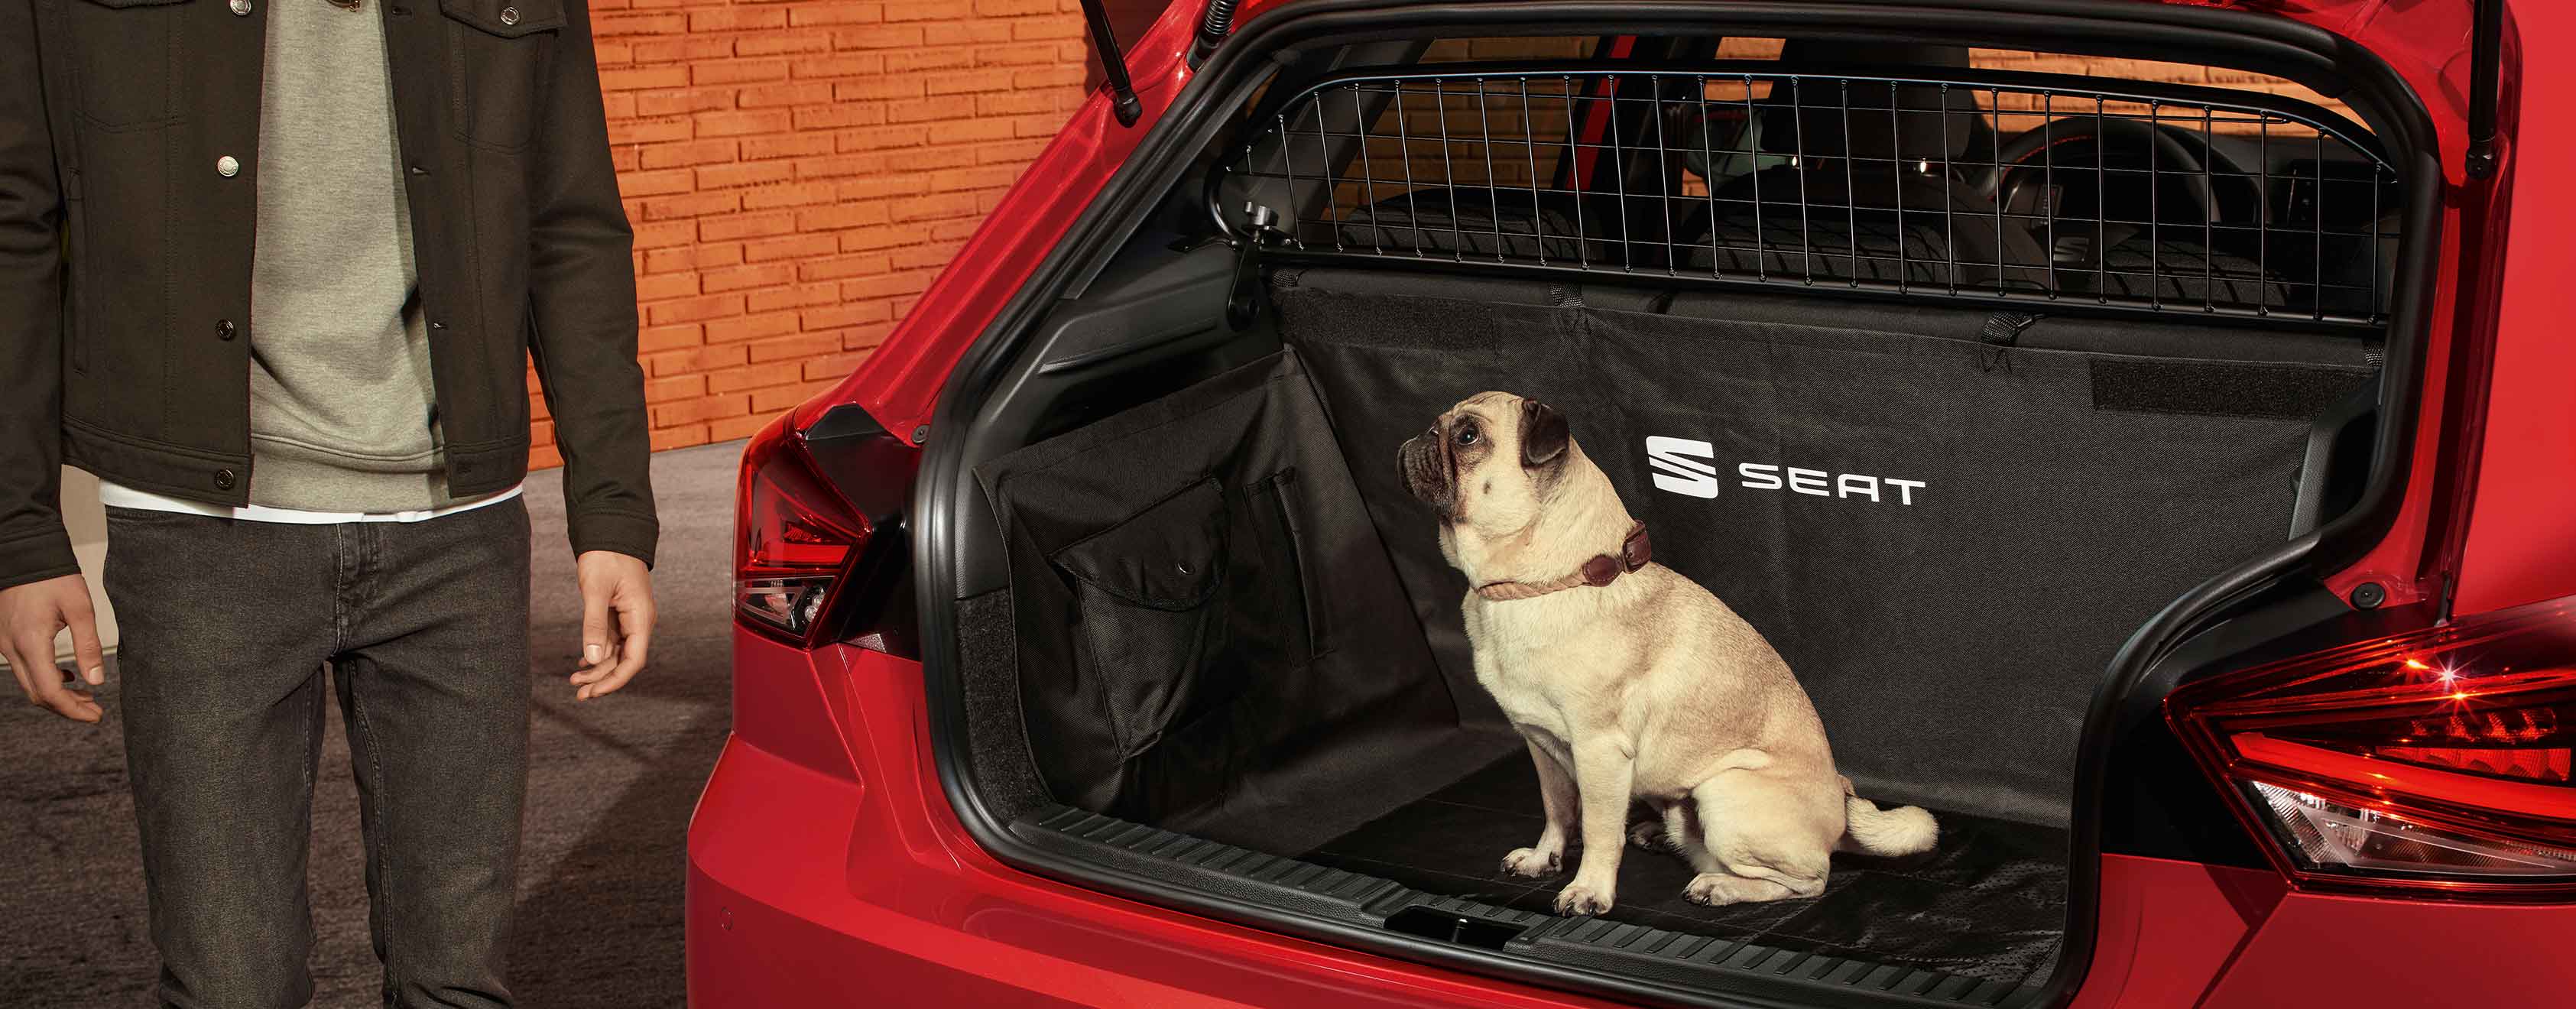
[(227, 627)]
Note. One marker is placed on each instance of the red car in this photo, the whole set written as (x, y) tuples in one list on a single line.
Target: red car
[(2158, 474)]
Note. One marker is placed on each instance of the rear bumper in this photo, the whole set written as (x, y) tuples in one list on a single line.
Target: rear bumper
[(857, 886), (815, 888)]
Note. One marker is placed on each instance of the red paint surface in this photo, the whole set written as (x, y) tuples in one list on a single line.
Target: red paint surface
[(814, 881)]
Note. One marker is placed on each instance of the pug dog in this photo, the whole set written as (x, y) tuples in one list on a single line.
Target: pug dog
[(1630, 681)]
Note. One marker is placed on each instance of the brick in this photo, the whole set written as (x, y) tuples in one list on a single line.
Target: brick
[(750, 174), (795, 194), (698, 361), (832, 366), (681, 50), (969, 32), (834, 14), (876, 37), (838, 267), (751, 327), (717, 229), (774, 95), (744, 379), (839, 114), (844, 315), (784, 397), (652, 339), (789, 247), (681, 101), (777, 43), (838, 216), (664, 234), (789, 145), (663, 183), (734, 124), (694, 152), (675, 387), (689, 205), (753, 275), (645, 131), (658, 287), (736, 428), (709, 73), (800, 296), (638, 78), (698, 309), (736, 19), (836, 65), (613, 24), (683, 436), (792, 347)]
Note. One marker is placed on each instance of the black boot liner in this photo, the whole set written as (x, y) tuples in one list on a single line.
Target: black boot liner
[(1232, 622)]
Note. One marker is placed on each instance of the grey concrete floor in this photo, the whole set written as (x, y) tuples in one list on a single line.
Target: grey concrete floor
[(610, 786)]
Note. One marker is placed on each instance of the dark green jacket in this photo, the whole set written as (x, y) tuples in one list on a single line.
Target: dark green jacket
[(129, 170)]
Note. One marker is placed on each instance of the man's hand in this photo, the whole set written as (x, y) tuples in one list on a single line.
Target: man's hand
[(30, 614), (612, 651)]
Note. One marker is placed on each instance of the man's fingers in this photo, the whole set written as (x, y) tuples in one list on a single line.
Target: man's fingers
[(18, 667), (86, 653), (630, 661), (32, 658), (594, 625), (72, 704)]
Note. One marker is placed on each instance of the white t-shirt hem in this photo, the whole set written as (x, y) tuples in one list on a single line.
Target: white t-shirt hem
[(119, 496)]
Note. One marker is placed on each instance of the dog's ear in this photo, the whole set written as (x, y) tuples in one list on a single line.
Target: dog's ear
[(1543, 434)]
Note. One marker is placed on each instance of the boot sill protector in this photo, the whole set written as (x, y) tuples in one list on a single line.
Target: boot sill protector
[(1596, 944)]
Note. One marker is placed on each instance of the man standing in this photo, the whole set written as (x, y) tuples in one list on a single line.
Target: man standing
[(272, 269)]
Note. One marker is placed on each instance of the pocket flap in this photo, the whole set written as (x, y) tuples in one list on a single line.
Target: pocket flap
[(1164, 557), (509, 19), (122, 4)]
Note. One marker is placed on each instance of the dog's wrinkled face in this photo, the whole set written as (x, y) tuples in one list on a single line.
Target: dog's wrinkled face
[(1489, 460)]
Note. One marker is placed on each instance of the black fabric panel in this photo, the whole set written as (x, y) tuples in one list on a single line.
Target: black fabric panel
[(1989, 902), (2217, 388), (1210, 637), (997, 742), (1952, 643)]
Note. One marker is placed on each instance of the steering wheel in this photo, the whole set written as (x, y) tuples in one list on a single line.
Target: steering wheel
[(2014, 184)]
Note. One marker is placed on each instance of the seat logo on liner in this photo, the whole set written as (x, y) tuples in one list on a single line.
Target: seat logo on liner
[(1686, 466)]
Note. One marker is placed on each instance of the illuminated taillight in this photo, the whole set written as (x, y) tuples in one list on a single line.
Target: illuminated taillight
[(2436, 761), (796, 538)]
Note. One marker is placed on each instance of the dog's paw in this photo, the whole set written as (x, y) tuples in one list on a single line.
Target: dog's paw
[(1582, 899), (1532, 863), (1649, 835), (1715, 889)]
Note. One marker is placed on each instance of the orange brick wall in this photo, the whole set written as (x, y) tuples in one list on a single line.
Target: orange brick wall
[(798, 170)]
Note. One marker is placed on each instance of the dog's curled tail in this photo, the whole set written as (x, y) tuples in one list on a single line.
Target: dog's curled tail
[(1905, 830)]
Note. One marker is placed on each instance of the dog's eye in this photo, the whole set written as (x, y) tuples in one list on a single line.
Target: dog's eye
[(1466, 435)]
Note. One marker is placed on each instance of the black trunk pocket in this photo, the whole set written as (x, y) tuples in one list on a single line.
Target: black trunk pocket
[(1278, 495), (1145, 587)]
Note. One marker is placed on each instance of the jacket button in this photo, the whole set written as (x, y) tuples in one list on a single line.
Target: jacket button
[(241, 8), (225, 330), (227, 166), (509, 15), (223, 479)]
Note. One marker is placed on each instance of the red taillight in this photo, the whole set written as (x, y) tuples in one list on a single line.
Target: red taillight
[(796, 539), (2435, 761)]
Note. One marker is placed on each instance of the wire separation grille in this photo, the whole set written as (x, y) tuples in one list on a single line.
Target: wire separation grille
[(2018, 187)]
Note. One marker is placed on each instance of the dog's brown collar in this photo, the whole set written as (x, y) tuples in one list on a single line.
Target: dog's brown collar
[(1601, 570)]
